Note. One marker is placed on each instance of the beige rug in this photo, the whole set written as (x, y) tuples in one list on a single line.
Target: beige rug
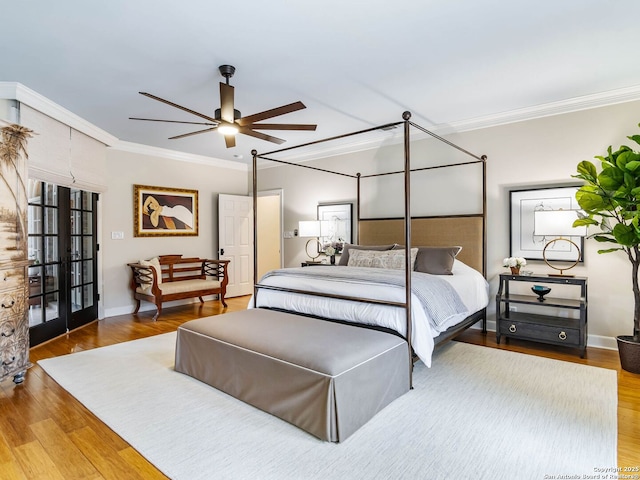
[(478, 413)]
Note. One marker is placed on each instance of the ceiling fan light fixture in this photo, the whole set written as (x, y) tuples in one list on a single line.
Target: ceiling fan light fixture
[(228, 129)]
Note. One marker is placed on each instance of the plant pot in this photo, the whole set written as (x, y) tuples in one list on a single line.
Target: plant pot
[(515, 270), (629, 352)]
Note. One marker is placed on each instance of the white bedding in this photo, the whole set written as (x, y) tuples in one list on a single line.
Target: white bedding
[(470, 285)]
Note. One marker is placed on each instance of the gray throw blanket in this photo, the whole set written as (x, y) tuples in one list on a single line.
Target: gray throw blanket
[(437, 297)]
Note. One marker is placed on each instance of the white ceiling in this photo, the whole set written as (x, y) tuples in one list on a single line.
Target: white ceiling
[(355, 64)]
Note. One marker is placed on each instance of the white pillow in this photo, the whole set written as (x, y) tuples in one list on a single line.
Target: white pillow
[(392, 259), (155, 263)]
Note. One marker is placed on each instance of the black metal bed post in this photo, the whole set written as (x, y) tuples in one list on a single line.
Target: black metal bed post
[(407, 238), (357, 223), (484, 231), (254, 153)]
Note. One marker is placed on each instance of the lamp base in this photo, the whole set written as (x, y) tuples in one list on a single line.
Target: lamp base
[(563, 268), (306, 249)]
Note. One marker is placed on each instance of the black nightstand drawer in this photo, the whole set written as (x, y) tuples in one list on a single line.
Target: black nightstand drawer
[(544, 333)]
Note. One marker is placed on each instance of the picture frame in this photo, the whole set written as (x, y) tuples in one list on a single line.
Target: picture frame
[(522, 205), (164, 211), (337, 231)]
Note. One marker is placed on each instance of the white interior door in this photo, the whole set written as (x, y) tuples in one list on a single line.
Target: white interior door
[(235, 241), (269, 227)]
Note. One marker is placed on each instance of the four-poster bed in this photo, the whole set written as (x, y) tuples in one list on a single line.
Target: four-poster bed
[(330, 377), (467, 231)]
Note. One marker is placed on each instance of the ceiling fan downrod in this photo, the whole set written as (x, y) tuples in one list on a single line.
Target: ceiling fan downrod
[(227, 71)]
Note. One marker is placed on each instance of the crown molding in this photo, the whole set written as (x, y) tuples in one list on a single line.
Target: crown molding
[(17, 91), (141, 149), (585, 102), (576, 104)]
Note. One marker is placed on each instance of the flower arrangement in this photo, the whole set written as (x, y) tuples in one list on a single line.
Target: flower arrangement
[(329, 251), (514, 262)]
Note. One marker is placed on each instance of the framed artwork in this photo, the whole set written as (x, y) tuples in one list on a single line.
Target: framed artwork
[(523, 204), (336, 227), (164, 212)]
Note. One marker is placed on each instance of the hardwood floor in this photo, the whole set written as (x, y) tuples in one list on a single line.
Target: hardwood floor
[(46, 434)]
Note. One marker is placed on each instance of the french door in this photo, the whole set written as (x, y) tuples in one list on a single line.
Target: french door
[(63, 292)]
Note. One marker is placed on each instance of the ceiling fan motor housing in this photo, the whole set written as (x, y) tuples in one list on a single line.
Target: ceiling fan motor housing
[(236, 114)]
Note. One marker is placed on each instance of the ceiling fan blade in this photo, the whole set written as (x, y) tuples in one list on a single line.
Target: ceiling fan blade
[(226, 102), (261, 136), (230, 141), (274, 112), (193, 133), (282, 126), (171, 121), (179, 106)]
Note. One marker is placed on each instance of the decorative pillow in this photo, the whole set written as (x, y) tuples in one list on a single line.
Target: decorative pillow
[(392, 259), (155, 263), (436, 260), (344, 257)]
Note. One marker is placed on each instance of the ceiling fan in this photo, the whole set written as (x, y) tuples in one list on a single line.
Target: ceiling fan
[(229, 121)]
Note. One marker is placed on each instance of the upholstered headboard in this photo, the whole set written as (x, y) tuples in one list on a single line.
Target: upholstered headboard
[(465, 231)]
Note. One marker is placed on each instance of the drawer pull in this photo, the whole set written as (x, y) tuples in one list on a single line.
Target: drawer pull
[(512, 328), (562, 336), (9, 304), (8, 332)]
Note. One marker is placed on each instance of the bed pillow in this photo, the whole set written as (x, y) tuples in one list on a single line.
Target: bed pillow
[(155, 263), (436, 260), (391, 259), (344, 257)]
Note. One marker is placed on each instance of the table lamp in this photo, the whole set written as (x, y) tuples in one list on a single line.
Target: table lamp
[(558, 223)]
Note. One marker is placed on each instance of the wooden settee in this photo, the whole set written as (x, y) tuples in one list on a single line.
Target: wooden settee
[(172, 277)]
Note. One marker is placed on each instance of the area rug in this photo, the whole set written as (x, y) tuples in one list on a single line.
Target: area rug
[(478, 413)]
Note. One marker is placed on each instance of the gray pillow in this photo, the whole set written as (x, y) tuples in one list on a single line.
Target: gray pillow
[(344, 257), (436, 260)]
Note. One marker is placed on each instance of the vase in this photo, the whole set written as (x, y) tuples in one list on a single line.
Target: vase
[(332, 259), (515, 270)]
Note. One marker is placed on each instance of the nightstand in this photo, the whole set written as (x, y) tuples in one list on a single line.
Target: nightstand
[(547, 324), (315, 264)]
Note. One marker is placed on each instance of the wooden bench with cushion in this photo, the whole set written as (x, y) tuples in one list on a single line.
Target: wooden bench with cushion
[(172, 277)]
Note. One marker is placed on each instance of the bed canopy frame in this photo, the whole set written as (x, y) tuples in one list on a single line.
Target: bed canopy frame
[(396, 230)]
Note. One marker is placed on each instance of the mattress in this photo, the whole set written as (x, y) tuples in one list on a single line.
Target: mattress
[(470, 286)]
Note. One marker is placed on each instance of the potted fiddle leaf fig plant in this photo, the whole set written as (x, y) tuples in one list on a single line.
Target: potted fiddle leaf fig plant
[(610, 200)]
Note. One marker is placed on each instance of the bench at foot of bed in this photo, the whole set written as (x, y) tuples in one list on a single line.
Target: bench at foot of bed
[(326, 378)]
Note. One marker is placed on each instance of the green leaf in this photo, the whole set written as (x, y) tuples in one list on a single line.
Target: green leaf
[(625, 235), (588, 170), (611, 178), (585, 222), (635, 138), (603, 238), (609, 250), (589, 200)]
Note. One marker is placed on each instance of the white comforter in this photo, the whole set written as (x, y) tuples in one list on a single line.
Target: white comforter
[(468, 283)]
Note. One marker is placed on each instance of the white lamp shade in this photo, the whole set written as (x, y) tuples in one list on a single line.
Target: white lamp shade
[(310, 228), (557, 223), (313, 228)]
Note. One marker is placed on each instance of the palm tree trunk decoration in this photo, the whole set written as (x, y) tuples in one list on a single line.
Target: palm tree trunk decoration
[(13, 151)]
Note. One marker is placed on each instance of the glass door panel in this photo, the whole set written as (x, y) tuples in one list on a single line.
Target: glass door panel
[(62, 247)]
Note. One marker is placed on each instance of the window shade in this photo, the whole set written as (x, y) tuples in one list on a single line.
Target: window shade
[(61, 155)]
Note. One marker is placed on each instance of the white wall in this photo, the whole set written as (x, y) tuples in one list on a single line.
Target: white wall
[(529, 154), (126, 169)]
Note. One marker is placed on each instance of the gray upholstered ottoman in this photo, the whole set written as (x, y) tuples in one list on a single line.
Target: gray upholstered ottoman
[(327, 378)]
